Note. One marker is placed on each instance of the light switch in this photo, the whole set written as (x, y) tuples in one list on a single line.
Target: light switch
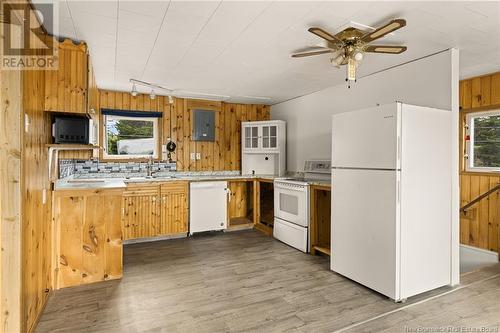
[(198, 156), (193, 156)]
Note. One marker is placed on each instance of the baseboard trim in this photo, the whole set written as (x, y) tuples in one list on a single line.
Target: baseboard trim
[(480, 251), (154, 239)]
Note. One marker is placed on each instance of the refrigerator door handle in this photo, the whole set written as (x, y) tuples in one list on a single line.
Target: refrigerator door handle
[(397, 190), (398, 153)]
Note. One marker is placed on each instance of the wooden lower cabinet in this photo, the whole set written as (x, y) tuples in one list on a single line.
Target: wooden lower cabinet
[(173, 208), (88, 236), (320, 219), (140, 211), (155, 210)]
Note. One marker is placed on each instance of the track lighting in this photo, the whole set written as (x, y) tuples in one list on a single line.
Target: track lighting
[(134, 90), (151, 86), (170, 99)]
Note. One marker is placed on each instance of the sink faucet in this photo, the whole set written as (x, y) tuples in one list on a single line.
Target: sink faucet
[(150, 166)]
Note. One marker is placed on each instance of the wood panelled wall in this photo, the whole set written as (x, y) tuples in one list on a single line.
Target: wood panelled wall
[(10, 198), (26, 242), (37, 237), (222, 154), (480, 226)]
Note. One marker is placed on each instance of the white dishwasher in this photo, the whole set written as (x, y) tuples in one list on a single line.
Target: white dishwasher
[(207, 206)]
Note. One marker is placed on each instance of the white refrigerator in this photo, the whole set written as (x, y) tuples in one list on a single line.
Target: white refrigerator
[(391, 198)]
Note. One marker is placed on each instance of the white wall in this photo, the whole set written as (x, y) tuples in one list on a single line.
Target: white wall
[(431, 81), (425, 82)]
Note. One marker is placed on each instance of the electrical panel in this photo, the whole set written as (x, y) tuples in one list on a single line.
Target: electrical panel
[(203, 125)]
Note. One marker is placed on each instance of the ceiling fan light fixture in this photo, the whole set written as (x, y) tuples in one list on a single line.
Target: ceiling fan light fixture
[(338, 59), (134, 90), (358, 55)]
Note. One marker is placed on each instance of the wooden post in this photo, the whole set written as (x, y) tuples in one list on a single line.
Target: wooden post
[(256, 202)]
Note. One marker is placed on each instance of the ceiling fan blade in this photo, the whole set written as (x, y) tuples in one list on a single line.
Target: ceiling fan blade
[(311, 53), (325, 35), (385, 49), (384, 30)]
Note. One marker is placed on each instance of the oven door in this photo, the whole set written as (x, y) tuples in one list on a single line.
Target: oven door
[(291, 202)]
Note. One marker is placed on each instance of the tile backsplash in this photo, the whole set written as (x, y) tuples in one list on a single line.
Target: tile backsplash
[(83, 168)]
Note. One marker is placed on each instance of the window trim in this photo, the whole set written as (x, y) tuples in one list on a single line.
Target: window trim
[(156, 136), (469, 144)]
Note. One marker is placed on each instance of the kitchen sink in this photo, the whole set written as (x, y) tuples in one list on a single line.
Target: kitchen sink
[(150, 177)]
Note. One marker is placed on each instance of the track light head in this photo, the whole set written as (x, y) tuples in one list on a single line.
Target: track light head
[(170, 100), (152, 95), (134, 90)]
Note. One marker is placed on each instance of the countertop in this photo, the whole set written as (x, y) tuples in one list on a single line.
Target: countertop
[(71, 183), (89, 184), (320, 183)]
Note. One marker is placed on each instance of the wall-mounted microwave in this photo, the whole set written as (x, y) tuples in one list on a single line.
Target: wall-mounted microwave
[(73, 129)]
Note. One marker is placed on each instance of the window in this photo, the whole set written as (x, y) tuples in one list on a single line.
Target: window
[(130, 137), (483, 141)]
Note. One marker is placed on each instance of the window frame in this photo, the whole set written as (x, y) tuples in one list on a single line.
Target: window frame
[(469, 144), (156, 136)]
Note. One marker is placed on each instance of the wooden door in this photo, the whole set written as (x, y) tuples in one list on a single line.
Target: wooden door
[(476, 92), (88, 244), (495, 89), (466, 94), (66, 87), (140, 212), (174, 208)]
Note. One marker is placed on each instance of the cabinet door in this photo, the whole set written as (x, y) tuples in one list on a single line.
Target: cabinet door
[(251, 137), (140, 215), (69, 214), (88, 237), (466, 94), (476, 92), (66, 87), (495, 89), (269, 136), (174, 208), (486, 90)]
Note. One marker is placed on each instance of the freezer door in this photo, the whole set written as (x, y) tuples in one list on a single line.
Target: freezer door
[(364, 228), (366, 138)]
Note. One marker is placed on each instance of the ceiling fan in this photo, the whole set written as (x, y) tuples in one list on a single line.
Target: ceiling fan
[(349, 45)]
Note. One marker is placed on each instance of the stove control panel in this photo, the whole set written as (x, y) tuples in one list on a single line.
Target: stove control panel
[(317, 166)]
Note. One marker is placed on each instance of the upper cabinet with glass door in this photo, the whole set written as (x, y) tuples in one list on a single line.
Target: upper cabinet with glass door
[(251, 137), (263, 136)]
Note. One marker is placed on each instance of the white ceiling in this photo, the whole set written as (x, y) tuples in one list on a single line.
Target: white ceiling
[(242, 48)]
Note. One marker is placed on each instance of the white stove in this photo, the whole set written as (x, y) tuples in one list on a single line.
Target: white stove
[(291, 204)]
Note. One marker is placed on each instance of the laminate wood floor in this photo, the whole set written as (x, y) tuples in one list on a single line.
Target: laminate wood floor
[(247, 282)]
